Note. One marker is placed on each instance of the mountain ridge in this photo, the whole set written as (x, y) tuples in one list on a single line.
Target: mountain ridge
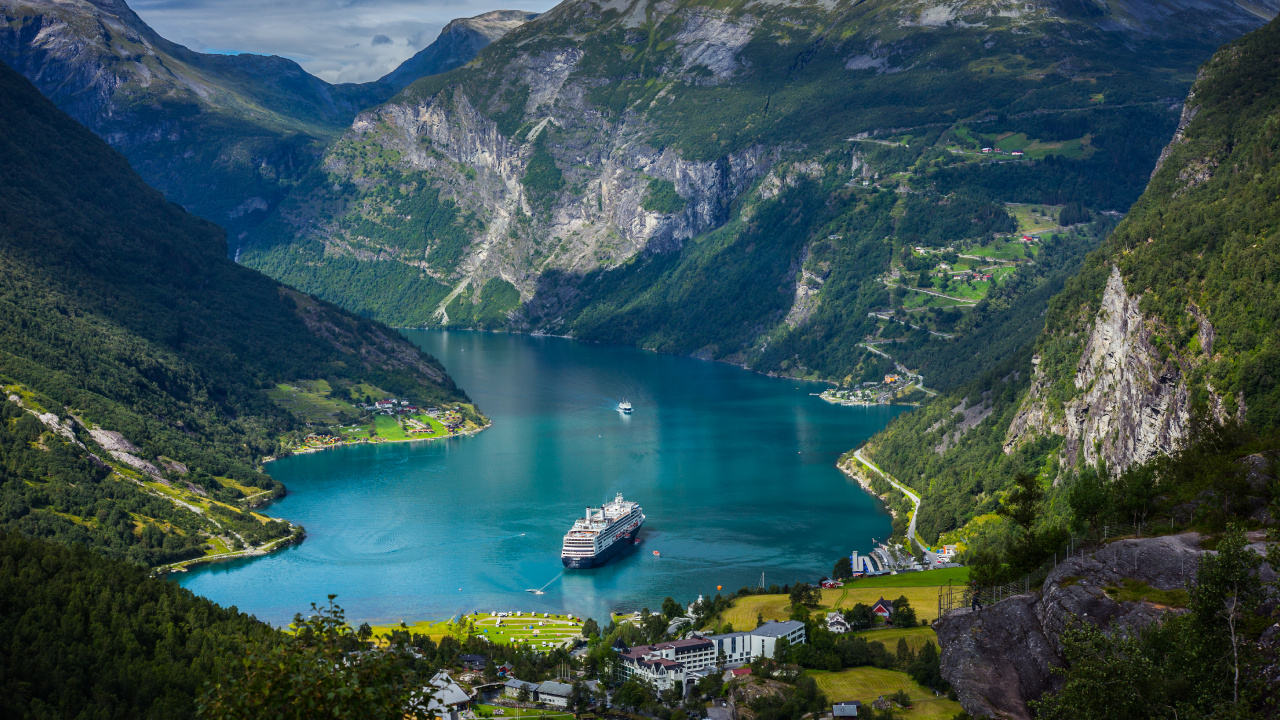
[(137, 360), (225, 136), (459, 42), (546, 159)]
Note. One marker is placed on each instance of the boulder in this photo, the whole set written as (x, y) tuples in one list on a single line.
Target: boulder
[(1003, 656)]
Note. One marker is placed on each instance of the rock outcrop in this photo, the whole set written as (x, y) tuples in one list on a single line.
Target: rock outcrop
[(1133, 399), (1003, 656)]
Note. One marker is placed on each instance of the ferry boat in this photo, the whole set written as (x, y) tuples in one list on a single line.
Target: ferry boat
[(602, 534), (625, 406)]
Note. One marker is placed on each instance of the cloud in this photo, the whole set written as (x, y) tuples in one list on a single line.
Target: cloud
[(327, 37)]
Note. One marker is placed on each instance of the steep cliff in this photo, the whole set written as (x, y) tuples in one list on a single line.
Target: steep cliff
[(1133, 403), (598, 163), (1171, 325)]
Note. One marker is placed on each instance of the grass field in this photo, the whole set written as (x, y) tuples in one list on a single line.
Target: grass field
[(1035, 148), (915, 299), (310, 401), (916, 637), (1001, 250), (526, 631), (867, 684), (556, 629), (434, 629), (1035, 218), (488, 710), (920, 588), (388, 428)]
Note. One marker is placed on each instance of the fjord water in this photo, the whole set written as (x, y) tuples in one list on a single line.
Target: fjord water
[(735, 471)]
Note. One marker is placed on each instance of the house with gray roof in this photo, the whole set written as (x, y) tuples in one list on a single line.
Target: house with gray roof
[(511, 688), (846, 709), (555, 693), (447, 697)]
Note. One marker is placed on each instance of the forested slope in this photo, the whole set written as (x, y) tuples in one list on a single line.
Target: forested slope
[(135, 356), (84, 636), (1171, 328), (588, 171)]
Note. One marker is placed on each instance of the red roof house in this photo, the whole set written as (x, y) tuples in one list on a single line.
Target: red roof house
[(883, 608)]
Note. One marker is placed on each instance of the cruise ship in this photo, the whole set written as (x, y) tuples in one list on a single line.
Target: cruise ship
[(603, 533)]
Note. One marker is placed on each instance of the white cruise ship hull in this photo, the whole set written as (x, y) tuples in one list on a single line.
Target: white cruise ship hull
[(619, 547)]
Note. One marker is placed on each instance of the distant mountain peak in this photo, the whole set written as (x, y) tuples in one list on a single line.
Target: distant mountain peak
[(458, 43)]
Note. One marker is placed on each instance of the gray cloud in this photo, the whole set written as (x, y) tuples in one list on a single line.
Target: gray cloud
[(327, 37)]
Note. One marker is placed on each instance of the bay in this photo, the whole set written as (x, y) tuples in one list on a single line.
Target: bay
[(735, 471)]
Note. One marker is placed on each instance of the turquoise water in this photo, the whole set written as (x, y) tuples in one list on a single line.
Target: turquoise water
[(735, 471)]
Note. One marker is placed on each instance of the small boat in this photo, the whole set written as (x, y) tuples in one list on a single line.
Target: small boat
[(655, 552), (535, 592), (625, 406)]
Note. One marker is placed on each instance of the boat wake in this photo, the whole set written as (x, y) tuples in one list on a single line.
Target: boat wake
[(540, 591)]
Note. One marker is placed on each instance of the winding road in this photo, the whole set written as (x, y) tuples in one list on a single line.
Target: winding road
[(911, 528)]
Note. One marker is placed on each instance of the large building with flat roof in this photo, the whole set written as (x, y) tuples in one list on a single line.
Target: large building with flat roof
[(684, 662)]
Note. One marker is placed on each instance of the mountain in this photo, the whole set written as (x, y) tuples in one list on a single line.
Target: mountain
[(769, 184), (459, 42), (141, 368), (223, 135), (1170, 330)]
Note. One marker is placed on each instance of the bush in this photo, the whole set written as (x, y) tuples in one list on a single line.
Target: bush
[(661, 197)]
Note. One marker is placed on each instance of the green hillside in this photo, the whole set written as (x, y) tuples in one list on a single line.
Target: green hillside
[(136, 359), (1200, 248), (749, 182)]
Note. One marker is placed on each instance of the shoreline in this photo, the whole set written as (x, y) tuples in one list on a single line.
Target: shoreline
[(266, 549), (349, 443), (508, 331)]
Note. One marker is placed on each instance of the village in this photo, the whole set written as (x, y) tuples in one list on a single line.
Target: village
[(362, 414), (933, 289), (895, 388), (390, 420), (721, 658)]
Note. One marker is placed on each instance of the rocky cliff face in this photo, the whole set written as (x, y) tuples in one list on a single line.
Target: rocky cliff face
[(1003, 656), (1132, 400), (482, 172), (653, 122)]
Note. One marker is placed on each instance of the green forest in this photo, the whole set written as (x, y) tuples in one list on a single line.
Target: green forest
[(1204, 238), (120, 310)]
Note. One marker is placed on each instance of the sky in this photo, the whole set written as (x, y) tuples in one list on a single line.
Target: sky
[(336, 40)]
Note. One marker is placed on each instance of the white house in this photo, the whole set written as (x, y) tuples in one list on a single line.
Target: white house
[(554, 693), (836, 623), (447, 697)]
